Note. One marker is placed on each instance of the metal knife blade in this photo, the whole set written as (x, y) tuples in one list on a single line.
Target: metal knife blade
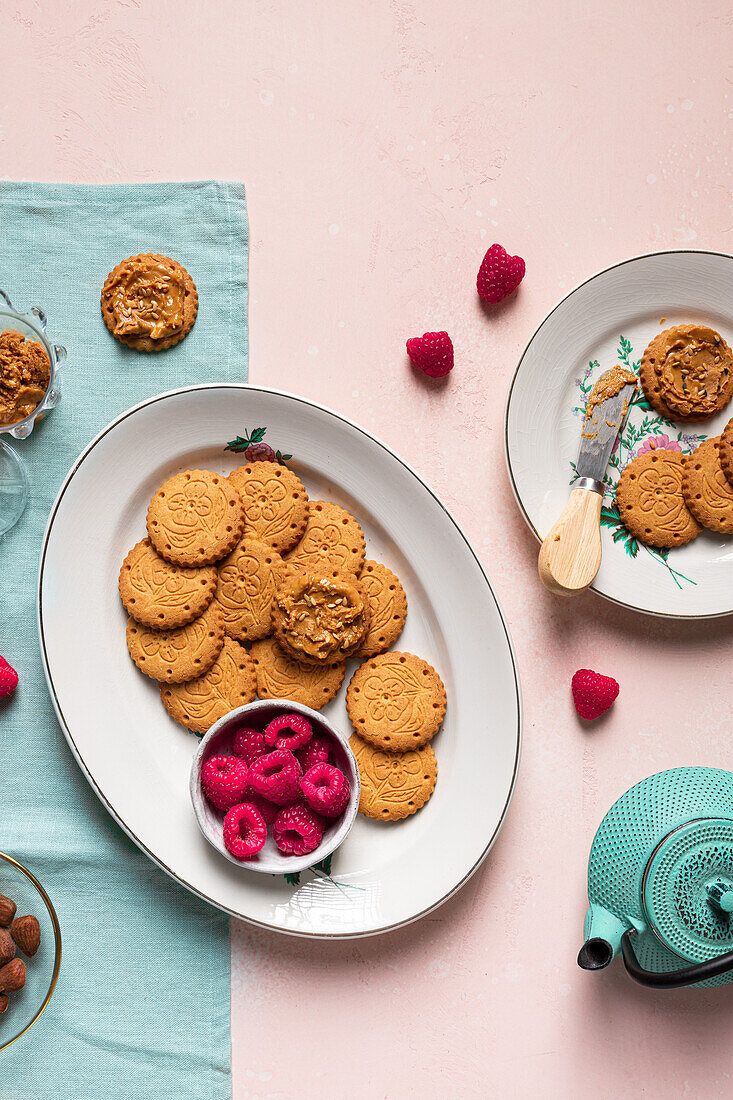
[(602, 426)]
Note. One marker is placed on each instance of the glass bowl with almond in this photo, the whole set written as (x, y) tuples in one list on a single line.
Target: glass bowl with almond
[(30, 949)]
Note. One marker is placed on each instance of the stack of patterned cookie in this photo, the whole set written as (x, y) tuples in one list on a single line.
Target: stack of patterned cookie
[(665, 497), (248, 559)]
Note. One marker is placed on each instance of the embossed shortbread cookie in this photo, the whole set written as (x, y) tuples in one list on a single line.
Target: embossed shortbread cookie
[(229, 683), (396, 701), (245, 591), (651, 503), (726, 451), (687, 373), (149, 302), (195, 518), (332, 535), (387, 604), (708, 493), (161, 595), (280, 677), (320, 618), (393, 784), (275, 503), (176, 656)]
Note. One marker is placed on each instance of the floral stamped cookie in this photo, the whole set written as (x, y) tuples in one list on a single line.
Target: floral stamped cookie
[(396, 701), (387, 604), (275, 503), (176, 656), (245, 591), (650, 500), (195, 518), (394, 784), (332, 536), (280, 677), (707, 491), (229, 683), (686, 373), (149, 302), (161, 595)]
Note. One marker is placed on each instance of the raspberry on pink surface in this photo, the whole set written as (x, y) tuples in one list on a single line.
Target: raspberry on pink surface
[(8, 678), (245, 831), (267, 809), (432, 353), (326, 790), (277, 777), (249, 745), (224, 780), (593, 693), (317, 751), (288, 731), (499, 274), (298, 830)]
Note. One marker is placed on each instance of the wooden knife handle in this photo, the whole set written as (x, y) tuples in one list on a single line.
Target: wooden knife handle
[(570, 556)]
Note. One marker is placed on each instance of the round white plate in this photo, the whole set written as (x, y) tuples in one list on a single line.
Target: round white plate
[(610, 319), (137, 759)]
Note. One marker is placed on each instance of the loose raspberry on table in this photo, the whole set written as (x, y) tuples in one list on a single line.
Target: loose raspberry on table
[(288, 731), (432, 353), (224, 780), (297, 830), (276, 777), (8, 678), (326, 790), (593, 693), (499, 274), (317, 751), (245, 831), (268, 809), (249, 745)]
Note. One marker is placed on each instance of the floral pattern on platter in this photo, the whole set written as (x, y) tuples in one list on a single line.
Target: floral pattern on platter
[(644, 431)]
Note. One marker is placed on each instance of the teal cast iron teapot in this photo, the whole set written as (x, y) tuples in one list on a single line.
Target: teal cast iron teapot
[(660, 881)]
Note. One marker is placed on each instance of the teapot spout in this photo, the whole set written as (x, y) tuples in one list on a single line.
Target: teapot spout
[(603, 931)]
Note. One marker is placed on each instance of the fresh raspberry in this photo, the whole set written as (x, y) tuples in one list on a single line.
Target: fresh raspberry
[(8, 678), (326, 790), (299, 728), (317, 751), (276, 777), (224, 779), (432, 353), (297, 830), (268, 810), (260, 452), (249, 745), (245, 832), (593, 694), (499, 274)]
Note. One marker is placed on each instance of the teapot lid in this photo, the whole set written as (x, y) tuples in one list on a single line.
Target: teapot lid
[(687, 890)]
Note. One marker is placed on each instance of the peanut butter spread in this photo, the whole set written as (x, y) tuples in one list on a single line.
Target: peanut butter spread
[(147, 299), (323, 618), (608, 385), (694, 369), (24, 376)]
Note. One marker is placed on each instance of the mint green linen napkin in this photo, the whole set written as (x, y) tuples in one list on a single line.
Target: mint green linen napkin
[(142, 1004)]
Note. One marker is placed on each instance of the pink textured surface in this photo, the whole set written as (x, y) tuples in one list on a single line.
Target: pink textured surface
[(384, 147)]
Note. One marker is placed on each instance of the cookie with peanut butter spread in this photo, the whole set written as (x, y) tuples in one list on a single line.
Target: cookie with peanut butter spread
[(25, 372), (161, 595), (280, 677), (725, 451), (149, 302), (707, 491), (387, 607), (320, 618), (275, 503), (229, 683), (176, 656), (245, 591), (393, 784), (396, 701), (687, 373), (195, 518), (650, 500), (332, 537)]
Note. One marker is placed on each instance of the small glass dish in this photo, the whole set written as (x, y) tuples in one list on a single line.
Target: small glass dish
[(13, 475), (42, 971)]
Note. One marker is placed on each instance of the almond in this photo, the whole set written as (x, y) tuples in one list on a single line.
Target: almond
[(12, 976), (3, 1003), (7, 911), (7, 947), (26, 931)]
